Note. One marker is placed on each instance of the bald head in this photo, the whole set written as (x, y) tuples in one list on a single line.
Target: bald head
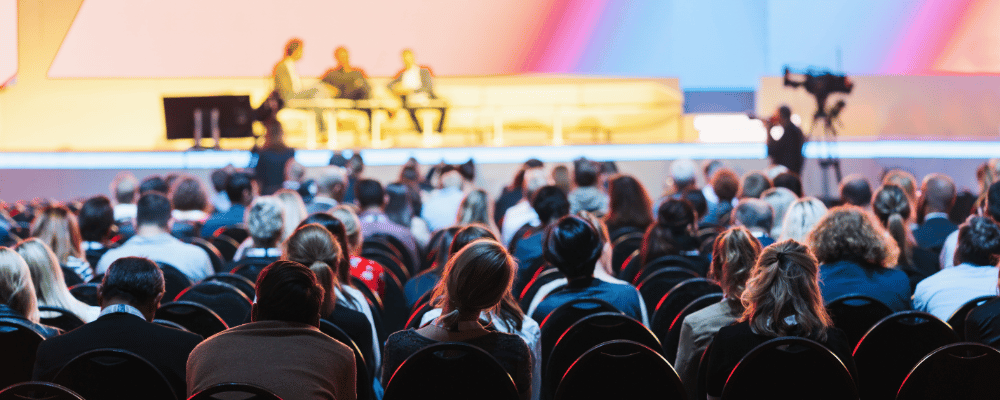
[(938, 193)]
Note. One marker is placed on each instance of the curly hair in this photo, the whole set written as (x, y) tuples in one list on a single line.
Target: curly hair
[(848, 233)]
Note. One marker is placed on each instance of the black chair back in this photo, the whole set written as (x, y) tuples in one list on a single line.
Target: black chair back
[(667, 262), (406, 256), (587, 333), (671, 336), (250, 267), (218, 263), (192, 316), (36, 390), (226, 245), (564, 316), (388, 261), (18, 344), (622, 247), (114, 374), (70, 277), (621, 369), (470, 371), (239, 233), (855, 314), (396, 312), (655, 285), (893, 346), (418, 315), (957, 319), (245, 391), (793, 368), (373, 298), (226, 300), (240, 282), (702, 386), (363, 381), (174, 281), (672, 303), (86, 293), (170, 324), (59, 318), (957, 371), (630, 267), (540, 279)]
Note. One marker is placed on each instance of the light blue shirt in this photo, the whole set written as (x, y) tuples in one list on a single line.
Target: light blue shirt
[(122, 308), (441, 208), (164, 248), (944, 292)]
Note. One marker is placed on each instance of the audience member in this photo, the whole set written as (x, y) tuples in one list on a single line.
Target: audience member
[(628, 207), (856, 191), (129, 296), (947, 290), (270, 160), (477, 279), (587, 196), (990, 209), (780, 199), (47, 276), (17, 293), (682, 175), (295, 175), (153, 241), (355, 167), (371, 198), (560, 177), (725, 185), (757, 216), (282, 350), (125, 189), (399, 208), (441, 206), (891, 206), (336, 228), (241, 191), (904, 180), (330, 187), (674, 234), (97, 226), (219, 177), (424, 282), (522, 213), (710, 168), (550, 204), (753, 184), (190, 206), (734, 254), (514, 192), (790, 181), (937, 196), (782, 298), (154, 183), (294, 211), (801, 217), (58, 228), (368, 271), (265, 223), (475, 209)]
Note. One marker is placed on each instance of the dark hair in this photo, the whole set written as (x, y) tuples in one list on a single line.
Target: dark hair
[(154, 183), (697, 200), (369, 193), (754, 213), (585, 173), (891, 206), (469, 234), (153, 208), (754, 183), (993, 201), (399, 208), (978, 242), (292, 45), (518, 181), (188, 194), (855, 190), (725, 184), (550, 203), (219, 178), (336, 228), (238, 183), (136, 280), (671, 233), (97, 216), (629, 203), (573, 246), (784, 112), (440, 247), (937, 193), (355, 165), (468, 170), (790, 181), (288, 291), (785, 283)]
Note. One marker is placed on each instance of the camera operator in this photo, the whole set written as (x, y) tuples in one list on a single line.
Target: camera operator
[(787, 149)]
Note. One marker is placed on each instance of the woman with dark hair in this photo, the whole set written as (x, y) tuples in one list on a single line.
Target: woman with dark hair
[(426, 280), (97, 227), (858, 256), (628, 208), (189, 204), (674, 234), (476, 280), (734, 254), (891, 205), (782, 298), (399, 209), (974, 276)]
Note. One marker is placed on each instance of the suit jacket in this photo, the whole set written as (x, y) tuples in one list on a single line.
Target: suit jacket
[(426, 83), (932, 233), (166, 348)]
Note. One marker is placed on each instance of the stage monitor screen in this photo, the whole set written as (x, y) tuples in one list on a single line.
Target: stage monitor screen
[(235, 116)]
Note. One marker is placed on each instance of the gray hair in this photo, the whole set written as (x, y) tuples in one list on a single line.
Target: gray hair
[(265, 220), (800, 218), (754, 213), (779, 198)]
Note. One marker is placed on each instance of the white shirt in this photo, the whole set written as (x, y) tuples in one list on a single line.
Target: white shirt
[(124, 212), (947, 256), (515, 217), (411, 78), (943, 293), (360, 305)]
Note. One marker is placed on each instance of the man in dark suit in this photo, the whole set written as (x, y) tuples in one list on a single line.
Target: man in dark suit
[(129, 296), (937, 196)]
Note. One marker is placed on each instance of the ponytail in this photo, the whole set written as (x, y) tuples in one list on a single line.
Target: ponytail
[(897, 229)]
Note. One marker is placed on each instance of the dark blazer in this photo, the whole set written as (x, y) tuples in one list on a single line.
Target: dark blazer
[(931, 234), (166, 348)]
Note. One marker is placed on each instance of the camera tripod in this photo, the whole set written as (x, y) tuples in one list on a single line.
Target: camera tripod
[(830, 158)]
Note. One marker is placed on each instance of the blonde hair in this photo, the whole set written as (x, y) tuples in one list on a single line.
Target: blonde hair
[(295, 211), (58, 228), (315, 247), (475, 209), (800, 218), (16, 288), (47, 276), (352, 225), (476, 279)]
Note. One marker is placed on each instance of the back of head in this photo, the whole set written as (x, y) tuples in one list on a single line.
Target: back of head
[(891, 206), (219, 178), (57, 227), (451, 177), (469, 234), (993, 201), (475, 280), (573, 246), (550, 203), (336, 228), (754, 183), (978, 242), (294, 171), (153, 209), (468, 170), (534, 179), (902, 179), (265, 221), (154, 183), (187, 193), (561, 178), (134, 280), (734, 254), (124, 188), (585, 173), (475, 208), (683, 173), (399, 208), (726, 184), (785, 283), (313, 244), (790, 181), (937, 194), (697, 200), (331, 178), (288, 291), (239, 187), (754, 213), (97, 216), (628, 202), (856, 191), (352, 225), (355, 165), (677, 216), (801, 217), (848, 233), (780, 199), (17, 290), (46, 274), (369, 193)]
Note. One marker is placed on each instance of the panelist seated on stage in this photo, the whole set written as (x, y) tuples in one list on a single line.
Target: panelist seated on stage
[(287, 82), (349, 81), (415, 87)]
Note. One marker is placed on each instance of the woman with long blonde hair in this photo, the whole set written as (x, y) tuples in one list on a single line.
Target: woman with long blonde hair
[(57, 227), (17, 293), (47, 276)]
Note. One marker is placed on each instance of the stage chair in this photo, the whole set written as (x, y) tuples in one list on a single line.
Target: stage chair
[(657, 284), (363, 381), (36, 390), (174, 281), (226, 245), (672, 303), (192, 316), (541, 278), (240, 282), (855, 314), (623, 246), (621, 369), (18, 344), (564, 316), (790, 368), (451, 370), (239, 233), (114, 374), (671, 336), (59, 318), (957, 371), (86, 292), (957, 319), (893, 346), (218, 264), (226, 300), (248, 391)]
